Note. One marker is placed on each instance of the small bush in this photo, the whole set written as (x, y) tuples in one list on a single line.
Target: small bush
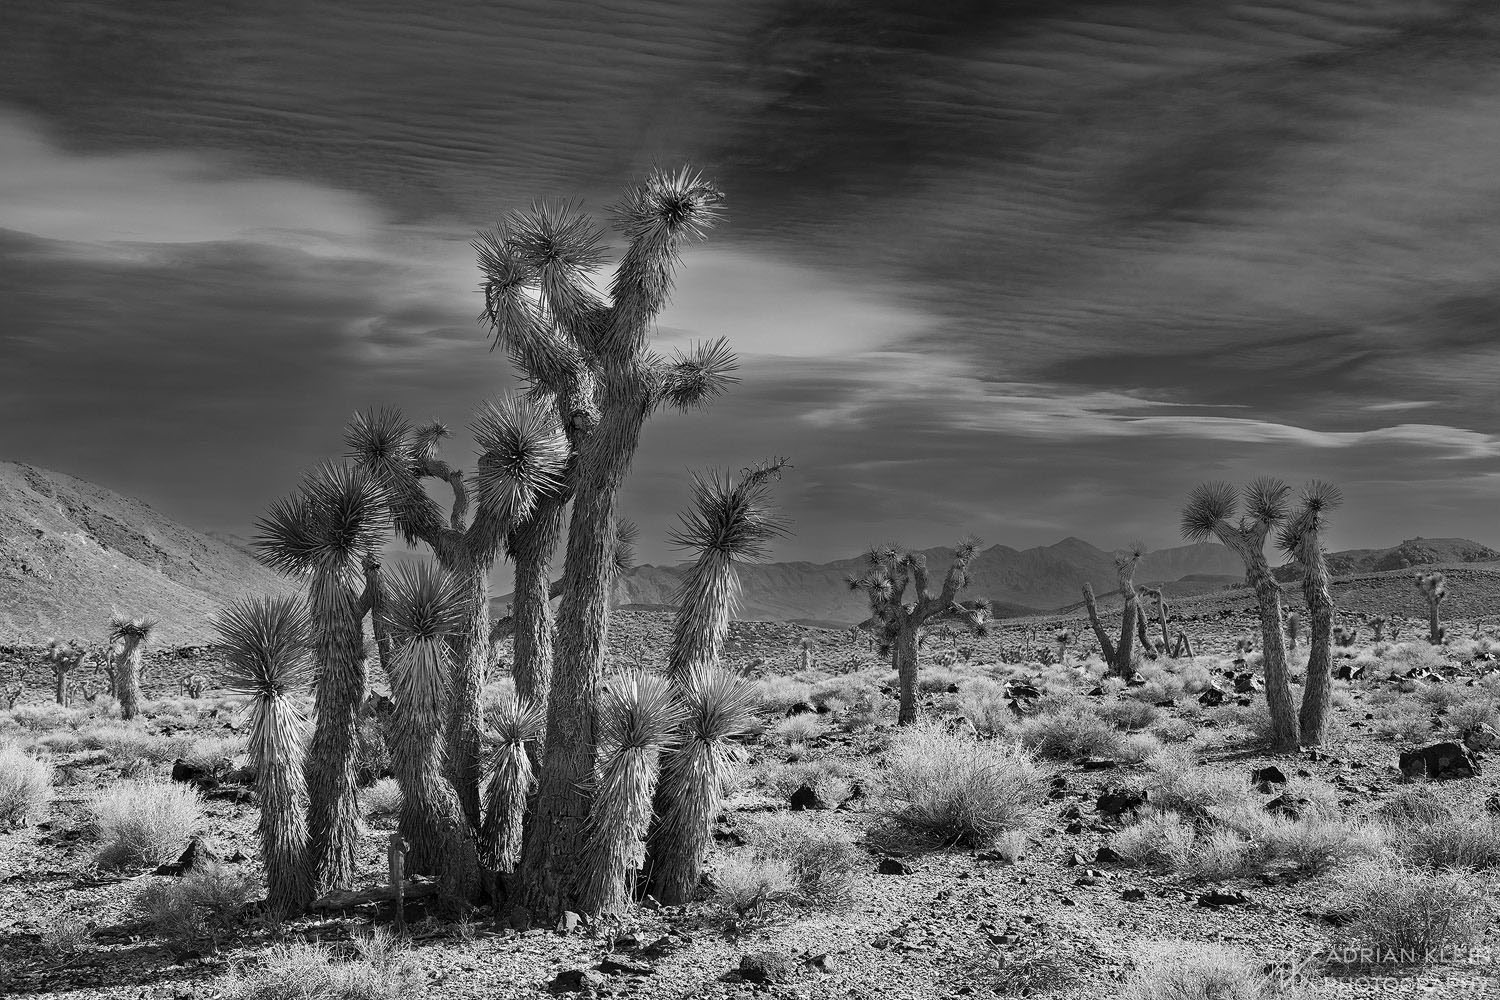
[(1414, 806), (833, 780), (1179, 783), (1405, 915), (144, 823), (25, 786), (1174, 730), (1159, 840), (381, 800), (128, 742), (822, 856), (1128, 714), (68, 934), (372, 755), (1312, 845), (61, 743), (777, 694), (948, 789), (1470, 714), (1462, 842), (1071, 733), (1220, 855), (206, 901), (804, 727), (1183, 970), (745, 884), (984, 703), (215, 754), (383, 970)]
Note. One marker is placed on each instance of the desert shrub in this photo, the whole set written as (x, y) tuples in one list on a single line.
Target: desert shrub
[(127, 742), (1128, 714), (1404, 915), (833, 780), (67, 934), (382, 799), (25, 786), (1172, 730), (384, 969), (745, 883), (943, 788), (1314, 844), (205, 902), (984, 703), (1157, 839), (1179, 783), (1402, 657), (215, 754), (61, 743), (1439, 698), (1413, 806), (1072, 732), (144, 822), (1219, 855), (776, 694), (822, 856), (1475, 712), (372, 754), (1405, 721), (1183, 970), (935, 679), (1454, 842), (802, 728)]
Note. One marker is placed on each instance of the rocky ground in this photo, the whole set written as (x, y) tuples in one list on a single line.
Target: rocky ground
[(1058, 920)]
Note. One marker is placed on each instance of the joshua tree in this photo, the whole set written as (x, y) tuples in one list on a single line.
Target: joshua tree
[(64, 658), (127, 639), (1300, 538), (729, 522), (638, 718), (898, 625), (1119, 657), (589, 359), (517, 726), (1255, 510), (522, 456), (1377, 629), (1162, 612), (1434, 587), (423, 609), (1293, 626), (718, 708), (805, 652), (268, 651), (323, 532)]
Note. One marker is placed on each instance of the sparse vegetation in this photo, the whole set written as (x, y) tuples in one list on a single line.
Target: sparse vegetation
[(945, 789), (25, 786), (143, 823)]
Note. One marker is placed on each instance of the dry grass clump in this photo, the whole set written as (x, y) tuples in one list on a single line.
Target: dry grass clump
[(384, 969), (1128, 714), (1402, 657), (131, 744), (1413, 806), (1404, 915), (832, 780), (1070, 732), (776, 694), (746, 883), (25, 786), (983, 702), (381, 800), (1178, 782), (946, 789), (1404, 721), (1158, 839), (144, 823), (1452, 842), (822, 856), (1189, 970), (203, 903), (67, 934), (805, 727), (1478, 711)]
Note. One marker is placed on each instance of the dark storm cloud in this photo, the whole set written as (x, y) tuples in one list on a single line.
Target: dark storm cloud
[(1021, 267)]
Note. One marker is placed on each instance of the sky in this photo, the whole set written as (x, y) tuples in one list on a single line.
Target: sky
[(1021, 269)]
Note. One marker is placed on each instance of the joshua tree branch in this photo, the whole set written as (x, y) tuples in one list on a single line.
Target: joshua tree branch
[(1106, 645)]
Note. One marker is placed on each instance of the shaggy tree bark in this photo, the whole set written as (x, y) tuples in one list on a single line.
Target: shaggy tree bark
[(1300, 538)]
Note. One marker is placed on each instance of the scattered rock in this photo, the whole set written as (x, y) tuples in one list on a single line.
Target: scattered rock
[(1482, 738), (1212, 696), (806, 797), (1439, 762), (1133, 895), (1019, 691), (199, 777), (1246, 683), (576, 981), (1106, 855), (1098, 763), (766, 967), (568, 922), (619, 965), (1290, 806), (196, 856), (800, 708), (1135, 680), (1218, 897), (1116, 802), (1265, 779), (893, 866), (823, 963)]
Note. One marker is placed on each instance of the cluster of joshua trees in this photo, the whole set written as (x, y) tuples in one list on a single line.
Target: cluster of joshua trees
[(584, 787)]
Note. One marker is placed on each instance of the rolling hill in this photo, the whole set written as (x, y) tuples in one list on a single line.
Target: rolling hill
[(71, 552)]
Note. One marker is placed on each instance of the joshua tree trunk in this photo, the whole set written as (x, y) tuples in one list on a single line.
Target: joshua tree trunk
[(904, 652), (1106, 644), (62, 688), (531, 548), (471, 654), (333, 822), (280, 784), (555, 848), (1315, 591), (128, 680), (1273, 650), (1140, 627), (1434, 622)]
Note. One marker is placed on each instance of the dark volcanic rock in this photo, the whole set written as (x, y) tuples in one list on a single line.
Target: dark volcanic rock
[(1438, 762)]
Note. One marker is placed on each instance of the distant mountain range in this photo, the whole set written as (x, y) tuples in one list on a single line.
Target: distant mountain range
[(1022, 582), (71, 552)]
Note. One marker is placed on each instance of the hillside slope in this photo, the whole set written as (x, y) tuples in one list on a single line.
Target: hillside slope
[(71, 551)]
